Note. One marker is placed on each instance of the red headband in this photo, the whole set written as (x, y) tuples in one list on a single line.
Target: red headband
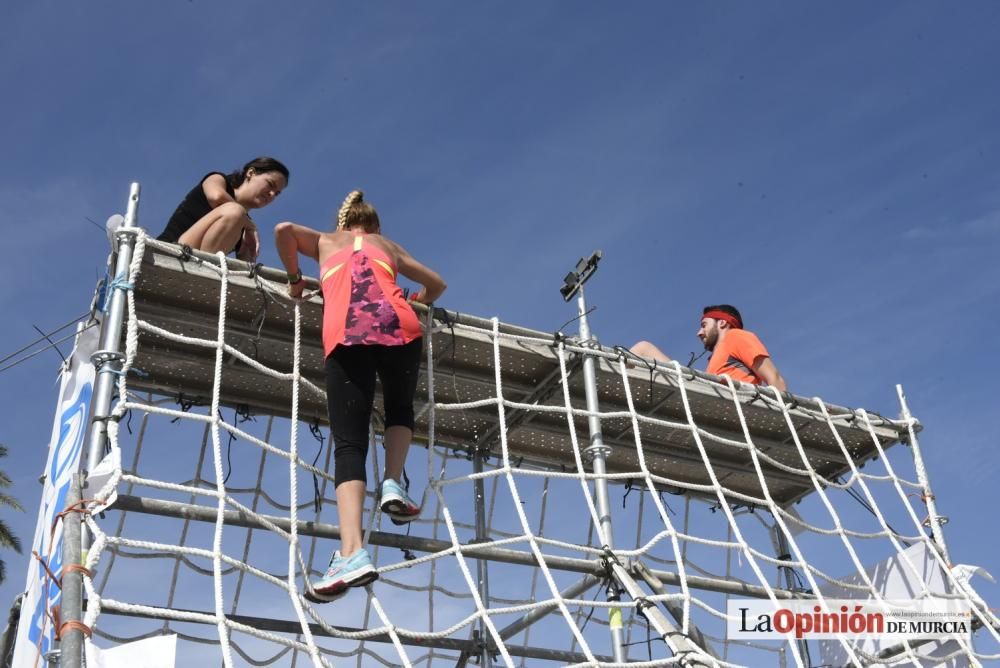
[(726, 317)]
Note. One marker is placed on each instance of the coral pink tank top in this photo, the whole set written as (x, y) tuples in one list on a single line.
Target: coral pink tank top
[(362, 305)]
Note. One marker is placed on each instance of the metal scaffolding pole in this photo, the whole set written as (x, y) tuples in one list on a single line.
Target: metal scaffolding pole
[(295, 627), (782, 544), (71, 603), (681, 645), (108, 362), (934, 520), (530, 618), (482, 565), (108, 358), (162, 508), (597, 453), (676, 610)]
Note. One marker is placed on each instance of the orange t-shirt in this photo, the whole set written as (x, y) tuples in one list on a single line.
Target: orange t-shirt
[(734, 356), (362, 305)]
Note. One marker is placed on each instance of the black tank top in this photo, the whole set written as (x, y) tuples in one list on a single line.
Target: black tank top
[(192, 208)]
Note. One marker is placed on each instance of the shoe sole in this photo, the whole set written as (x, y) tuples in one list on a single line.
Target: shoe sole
[(316, 597), (340, 587), (399, 511), (365, 578)]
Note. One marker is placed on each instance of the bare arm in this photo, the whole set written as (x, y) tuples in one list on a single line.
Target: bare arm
[(649, 351), (434, 285), (765, 368), (214, 187), (290, 240)]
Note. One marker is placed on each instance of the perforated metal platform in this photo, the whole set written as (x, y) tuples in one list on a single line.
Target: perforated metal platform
[(183, 296)]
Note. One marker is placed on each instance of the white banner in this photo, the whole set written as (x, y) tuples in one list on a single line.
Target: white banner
[(155, 652), (895, 579), (69, 431)]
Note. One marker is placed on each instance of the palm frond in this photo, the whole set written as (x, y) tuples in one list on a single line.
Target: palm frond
[(8, 539), (10, 502)]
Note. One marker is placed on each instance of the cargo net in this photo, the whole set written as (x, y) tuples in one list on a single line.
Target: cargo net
[(221, 515)]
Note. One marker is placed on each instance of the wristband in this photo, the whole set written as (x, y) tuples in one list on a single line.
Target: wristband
[(295, 278)]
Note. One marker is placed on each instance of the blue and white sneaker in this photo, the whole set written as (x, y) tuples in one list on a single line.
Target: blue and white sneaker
[(396, 503), (342, 573)]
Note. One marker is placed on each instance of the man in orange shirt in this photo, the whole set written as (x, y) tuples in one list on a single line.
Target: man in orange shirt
[(736, 352)]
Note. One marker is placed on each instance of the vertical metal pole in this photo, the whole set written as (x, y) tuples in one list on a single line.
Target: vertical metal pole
[(482, 568), (918, 462), (71, 603), (108, 356), (597, 453), (782, 544)]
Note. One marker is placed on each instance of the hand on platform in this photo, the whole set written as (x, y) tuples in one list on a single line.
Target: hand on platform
[(250, 247)]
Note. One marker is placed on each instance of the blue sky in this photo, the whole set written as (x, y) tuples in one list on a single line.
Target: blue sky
[(830, 168)]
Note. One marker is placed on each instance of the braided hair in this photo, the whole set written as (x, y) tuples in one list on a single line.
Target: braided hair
[(355, 212)]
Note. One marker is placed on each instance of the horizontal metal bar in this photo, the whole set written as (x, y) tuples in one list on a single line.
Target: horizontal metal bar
[(530, 618), (198, 513), (285, 626)]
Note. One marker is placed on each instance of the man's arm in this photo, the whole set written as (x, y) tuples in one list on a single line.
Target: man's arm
[(649, 351), (764, 367)]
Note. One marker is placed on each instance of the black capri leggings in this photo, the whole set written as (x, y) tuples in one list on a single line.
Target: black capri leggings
[(350, 392)]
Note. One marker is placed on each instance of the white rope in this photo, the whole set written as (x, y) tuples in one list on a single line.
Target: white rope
[(220, 613), (654, 530), (294, 554)]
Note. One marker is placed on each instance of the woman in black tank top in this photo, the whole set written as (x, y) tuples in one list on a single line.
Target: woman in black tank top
[(213, 215)]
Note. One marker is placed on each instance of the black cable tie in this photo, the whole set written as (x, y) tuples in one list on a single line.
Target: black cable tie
[(641, 603), (443, 317), (243, 414), (608, 560), (254, 268), (185, 404), (186, 253), (229, 445)]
